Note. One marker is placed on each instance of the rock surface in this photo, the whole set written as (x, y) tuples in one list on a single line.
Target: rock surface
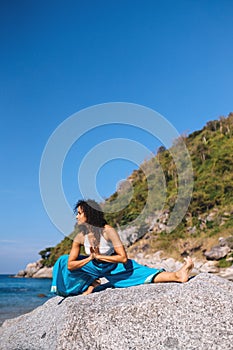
[(193, 315), (35, 270), (44, 272), (217, 253), (169, 264)]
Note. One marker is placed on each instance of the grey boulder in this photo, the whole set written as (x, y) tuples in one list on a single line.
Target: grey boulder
[(193, 315), (217, 253)]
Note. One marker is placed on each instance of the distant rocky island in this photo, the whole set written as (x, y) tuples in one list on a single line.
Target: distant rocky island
[(35, 270)]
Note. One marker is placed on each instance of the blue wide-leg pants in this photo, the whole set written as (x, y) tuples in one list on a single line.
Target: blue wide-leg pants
[(119, 275)]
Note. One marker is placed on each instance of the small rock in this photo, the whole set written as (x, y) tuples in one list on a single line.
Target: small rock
[(192, 230), (230, 258), (41, 295), (227, 214), (157, 255), (229, 242), (210, 217)]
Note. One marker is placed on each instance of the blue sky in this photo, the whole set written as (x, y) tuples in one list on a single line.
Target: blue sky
[(58, 58)]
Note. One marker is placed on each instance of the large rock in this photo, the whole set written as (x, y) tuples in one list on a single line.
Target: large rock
[(44, 272), (32, 268), (193, 315), (217, 253), (227, 273), (36, 270)]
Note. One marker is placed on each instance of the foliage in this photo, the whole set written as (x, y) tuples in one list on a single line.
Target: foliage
[(62, 248), (222, 263), (211, 152)]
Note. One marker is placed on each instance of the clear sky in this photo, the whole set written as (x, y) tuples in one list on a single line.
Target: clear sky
[(59, 57)]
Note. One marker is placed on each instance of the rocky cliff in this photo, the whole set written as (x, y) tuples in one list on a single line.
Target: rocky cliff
[(193, 315)]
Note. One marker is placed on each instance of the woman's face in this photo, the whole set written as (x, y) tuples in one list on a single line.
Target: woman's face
[(81, 217)]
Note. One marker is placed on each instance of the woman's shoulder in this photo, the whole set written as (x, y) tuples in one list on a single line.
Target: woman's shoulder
[(110, 234), (79, 238), (108, 228), (108, 231)]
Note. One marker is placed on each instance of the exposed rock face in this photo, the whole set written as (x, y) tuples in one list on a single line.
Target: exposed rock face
[(156, 223), (217, 253), (226, 273), (169, 264), (35, 270), (131, 234), (44, 272), (226, 242), (32, 268), (193, 315), (223, 250)]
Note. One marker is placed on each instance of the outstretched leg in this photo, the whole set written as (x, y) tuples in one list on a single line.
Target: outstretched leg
[(181, 275), (90, 289)]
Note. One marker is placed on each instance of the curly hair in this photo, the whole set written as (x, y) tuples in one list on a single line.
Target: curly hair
[(92, 211)]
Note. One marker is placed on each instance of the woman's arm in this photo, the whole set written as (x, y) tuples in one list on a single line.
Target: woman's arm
[(73, 263), (120, 256)]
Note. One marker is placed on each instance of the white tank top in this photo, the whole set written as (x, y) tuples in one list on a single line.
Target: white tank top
[(105, 247)]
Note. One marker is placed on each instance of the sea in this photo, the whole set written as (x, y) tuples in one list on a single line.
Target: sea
[(21, 295)]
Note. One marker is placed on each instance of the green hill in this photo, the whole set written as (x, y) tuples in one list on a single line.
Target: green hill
[(209, 214)]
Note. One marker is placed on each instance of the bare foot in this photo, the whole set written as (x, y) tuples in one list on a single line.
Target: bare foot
[(184, 272), (90, 289)]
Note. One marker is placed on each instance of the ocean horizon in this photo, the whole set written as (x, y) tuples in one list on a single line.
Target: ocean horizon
[(20, 295)]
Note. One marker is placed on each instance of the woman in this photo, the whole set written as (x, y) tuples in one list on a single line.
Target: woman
[(106, 257)]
